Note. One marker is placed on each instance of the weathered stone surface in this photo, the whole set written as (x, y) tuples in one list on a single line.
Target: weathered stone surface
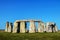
[(42, 27), (32, 28), (51, 27), (48, 28), (39, 26), (7, 25), (56, 29), (10, 27), (22, 27), (15, 27)]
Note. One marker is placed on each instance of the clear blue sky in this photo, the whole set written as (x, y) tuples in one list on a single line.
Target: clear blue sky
[(46, 10)]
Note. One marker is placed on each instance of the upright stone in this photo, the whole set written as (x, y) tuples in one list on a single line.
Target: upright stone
[(42, 27), (39, 27), (56, 29), (48, 27), (9, 28), (32, 28), (22, 27), (7, 25), (15, 27), (51, 27)]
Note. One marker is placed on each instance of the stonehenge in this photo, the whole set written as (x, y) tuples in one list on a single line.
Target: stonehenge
[(20, 26)]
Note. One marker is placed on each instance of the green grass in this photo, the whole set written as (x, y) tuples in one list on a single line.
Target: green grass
[(29, 36)]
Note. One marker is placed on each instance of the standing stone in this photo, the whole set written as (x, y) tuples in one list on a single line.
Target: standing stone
[(9, 28), (22, 27), (32, 27), (15, 27), (48, 27), (39, 26), (7, 25), (56, 29), (51, 27), (42, 27)]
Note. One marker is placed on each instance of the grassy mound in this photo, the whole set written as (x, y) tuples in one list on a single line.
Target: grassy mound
[(29, 36)]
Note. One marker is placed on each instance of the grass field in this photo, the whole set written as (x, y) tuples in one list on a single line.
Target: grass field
[(29, 36)]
